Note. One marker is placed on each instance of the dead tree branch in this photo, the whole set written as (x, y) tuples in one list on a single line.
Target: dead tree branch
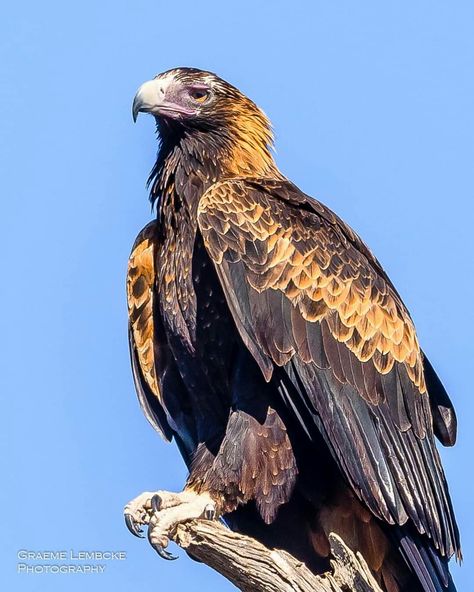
[(252, 567)]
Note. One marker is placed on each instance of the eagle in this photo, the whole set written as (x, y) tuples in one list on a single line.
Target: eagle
[(267, 340)]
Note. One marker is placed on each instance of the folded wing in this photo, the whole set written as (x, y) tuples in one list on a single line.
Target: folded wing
[(308, 296), (160, 390)]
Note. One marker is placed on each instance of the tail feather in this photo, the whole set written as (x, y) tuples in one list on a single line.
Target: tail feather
[(431, 570)]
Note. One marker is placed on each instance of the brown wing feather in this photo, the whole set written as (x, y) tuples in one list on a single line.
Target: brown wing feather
[(144, 343), (140, 297), (320, 271), (307, 295)]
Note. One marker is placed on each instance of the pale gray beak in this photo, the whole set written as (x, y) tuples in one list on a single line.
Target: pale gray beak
[(149, 98), (161, 99)]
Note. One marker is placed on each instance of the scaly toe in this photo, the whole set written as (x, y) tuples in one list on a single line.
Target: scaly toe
[(159, 543)]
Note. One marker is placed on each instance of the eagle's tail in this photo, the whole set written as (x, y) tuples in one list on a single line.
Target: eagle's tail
[(430, 569), (399, 559)]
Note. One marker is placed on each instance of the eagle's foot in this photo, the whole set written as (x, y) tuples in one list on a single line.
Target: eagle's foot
[(166, 516), (139, 510), (162, 511)]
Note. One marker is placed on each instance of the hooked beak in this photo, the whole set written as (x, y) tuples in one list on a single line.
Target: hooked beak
[(151, 98)]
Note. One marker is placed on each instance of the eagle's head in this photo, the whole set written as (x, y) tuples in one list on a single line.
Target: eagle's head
[(193, 98), (210, 111)]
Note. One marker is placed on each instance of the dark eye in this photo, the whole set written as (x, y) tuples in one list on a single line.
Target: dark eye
[(199, 94)]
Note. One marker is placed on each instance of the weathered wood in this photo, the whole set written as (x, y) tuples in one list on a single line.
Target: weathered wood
[(252, 567)]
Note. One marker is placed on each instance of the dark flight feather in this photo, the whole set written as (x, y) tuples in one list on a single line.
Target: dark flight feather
[(444, 416)]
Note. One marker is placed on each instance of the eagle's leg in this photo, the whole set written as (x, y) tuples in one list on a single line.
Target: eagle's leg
[(163, 511)]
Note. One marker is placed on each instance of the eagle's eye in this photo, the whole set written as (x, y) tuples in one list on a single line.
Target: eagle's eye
[(200, 95)]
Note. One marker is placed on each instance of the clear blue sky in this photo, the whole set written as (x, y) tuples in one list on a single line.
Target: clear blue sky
[(372, 105)]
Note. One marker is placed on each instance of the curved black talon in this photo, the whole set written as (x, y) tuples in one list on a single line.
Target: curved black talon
[(164, 554), (210, 512), (133, 526), (160, 550), (156, 503)]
